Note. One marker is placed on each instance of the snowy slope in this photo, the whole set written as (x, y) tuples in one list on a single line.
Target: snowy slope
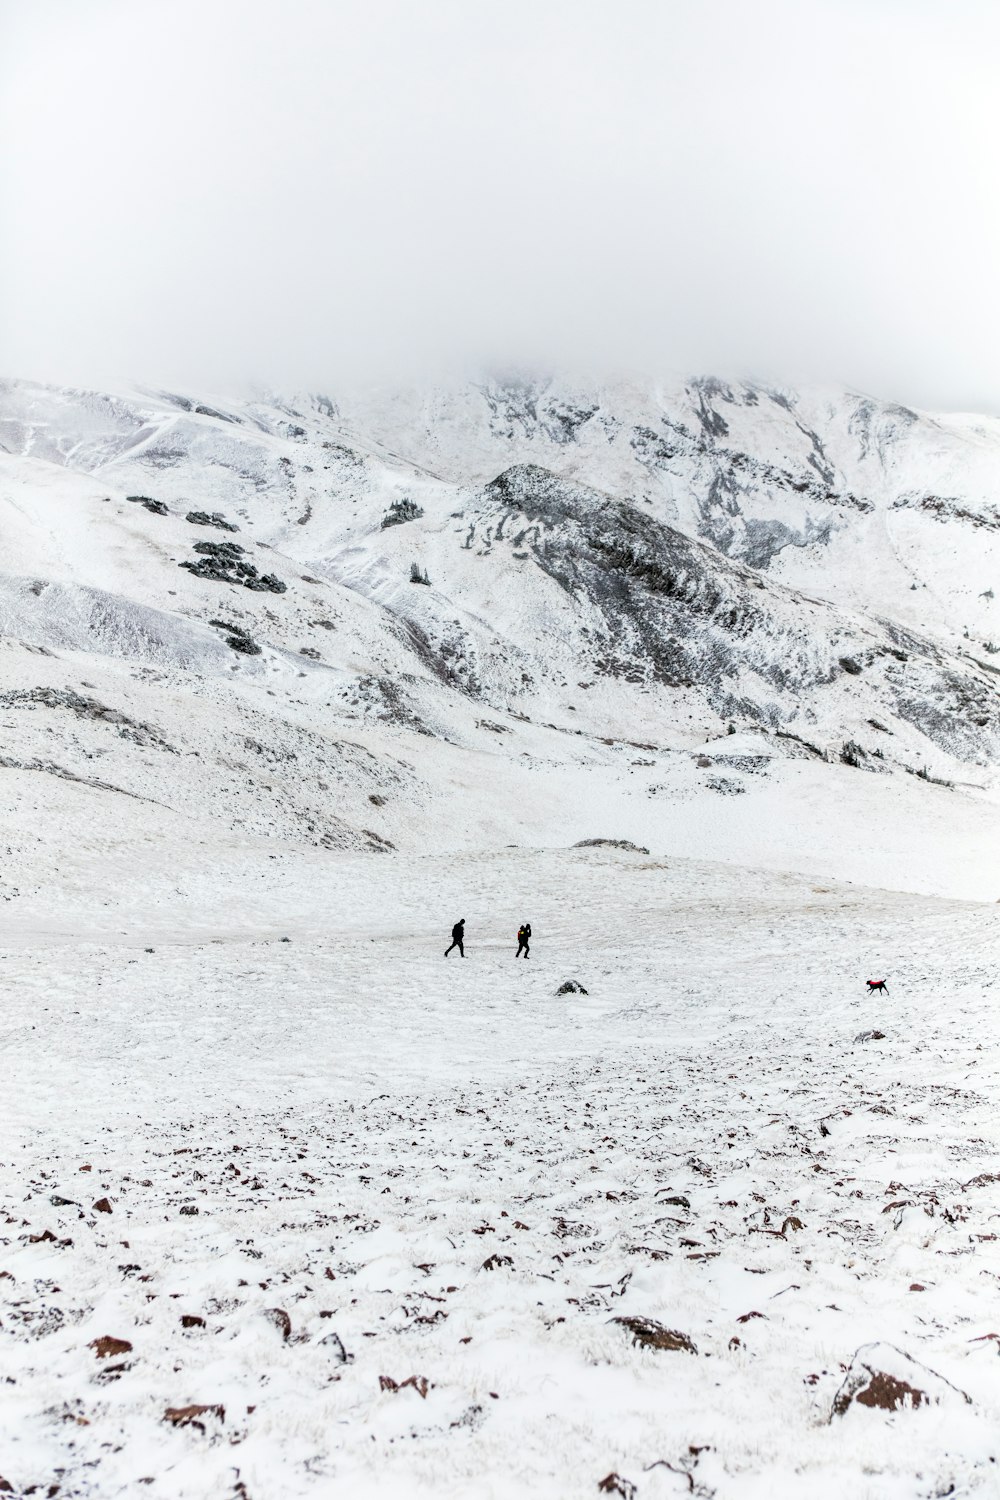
[(379, 1213), (596, 605), (383, 1211), (865, 502)]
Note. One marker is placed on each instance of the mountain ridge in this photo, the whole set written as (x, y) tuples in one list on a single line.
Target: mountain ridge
[(735, 601)]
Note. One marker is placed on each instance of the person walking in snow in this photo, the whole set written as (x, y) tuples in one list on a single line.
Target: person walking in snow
[(457, 938), (523, 939)]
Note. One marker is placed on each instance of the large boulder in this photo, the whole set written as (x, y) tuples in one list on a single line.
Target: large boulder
[(884, 1378)]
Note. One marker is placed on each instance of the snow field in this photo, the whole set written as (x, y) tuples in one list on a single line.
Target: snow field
[(334, 1146)]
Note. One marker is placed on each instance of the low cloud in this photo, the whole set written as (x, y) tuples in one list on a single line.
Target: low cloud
[(316, 192)]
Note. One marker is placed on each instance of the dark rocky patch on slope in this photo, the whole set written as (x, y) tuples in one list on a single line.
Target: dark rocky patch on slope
[(86, 708), (224, 562), (214, 518), (679, 612)]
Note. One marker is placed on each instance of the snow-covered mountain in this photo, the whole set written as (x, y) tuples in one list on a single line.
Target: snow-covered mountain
[(338, 618), (295, 1205)]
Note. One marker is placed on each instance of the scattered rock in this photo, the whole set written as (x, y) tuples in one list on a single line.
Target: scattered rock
[(223, 562), (106, 1346), (494, 1262), (86, 708), (471, 1418), (849, 665), (572, 987), (610, 844), (729, 786), (189, 1208), (309, 651), (281, 1321), (418, 1383), (102, 1206), (615, 1484), (156, 507), (376, 799), (6, 1488), (335, 1346), (216, 518), (236, 637), (376, 842), (882, 1377), (869, 1036), (652, 1335), (191, 1416), (192, 1320)]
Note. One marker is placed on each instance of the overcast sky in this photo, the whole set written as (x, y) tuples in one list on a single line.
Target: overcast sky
[(208, 192)]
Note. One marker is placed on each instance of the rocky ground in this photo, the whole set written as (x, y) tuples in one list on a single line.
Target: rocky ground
[(332, 1213)]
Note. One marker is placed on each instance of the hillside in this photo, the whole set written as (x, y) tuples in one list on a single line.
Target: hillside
[(295, 1205), (646, 600)]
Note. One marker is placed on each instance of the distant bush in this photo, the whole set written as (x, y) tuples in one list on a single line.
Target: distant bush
[(925, 775), (852, 754), (400, 511)]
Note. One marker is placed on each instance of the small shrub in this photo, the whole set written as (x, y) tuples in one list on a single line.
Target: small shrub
[(400, 511), (416, 576), (925, 775)]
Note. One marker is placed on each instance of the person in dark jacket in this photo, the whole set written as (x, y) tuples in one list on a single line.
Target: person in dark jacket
[(457, 938), (523, 939)]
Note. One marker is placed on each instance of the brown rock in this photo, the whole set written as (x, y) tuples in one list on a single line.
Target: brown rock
[(889, 1393), (281, 1321), (106, 1346), (190, 1416), (652, 1335), (192, 1320), (418, 1383), (884, 1378), (102, 1206), (616, 1484)]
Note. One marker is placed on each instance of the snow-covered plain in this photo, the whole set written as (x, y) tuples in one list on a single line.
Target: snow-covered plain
[(443, 1170), (264, 1151)]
